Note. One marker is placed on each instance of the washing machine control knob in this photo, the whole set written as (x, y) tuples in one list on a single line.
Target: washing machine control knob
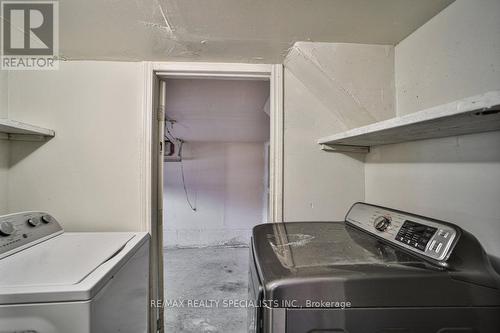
[(20, 230), (33, 222), (6, 228), (381, 223), (46, 218)]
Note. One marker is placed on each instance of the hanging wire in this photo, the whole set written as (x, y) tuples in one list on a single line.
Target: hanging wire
[(183, 180), (172, 138), (171, 122)]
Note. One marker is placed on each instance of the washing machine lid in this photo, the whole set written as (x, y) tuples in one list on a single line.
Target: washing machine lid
[(70, 266)]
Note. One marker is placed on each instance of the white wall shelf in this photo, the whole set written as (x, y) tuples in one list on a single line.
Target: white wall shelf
[(17, 131), (480, 113)]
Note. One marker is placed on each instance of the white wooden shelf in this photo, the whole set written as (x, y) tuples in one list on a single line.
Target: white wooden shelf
[(14, 130), (475, 114)]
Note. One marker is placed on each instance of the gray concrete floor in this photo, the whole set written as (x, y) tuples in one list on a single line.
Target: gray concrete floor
[(209, 275)]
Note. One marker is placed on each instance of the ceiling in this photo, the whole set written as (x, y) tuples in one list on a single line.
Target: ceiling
[(208, 110), (229, 30)]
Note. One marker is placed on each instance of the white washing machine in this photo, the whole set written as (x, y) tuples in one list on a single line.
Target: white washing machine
[(56, 282)]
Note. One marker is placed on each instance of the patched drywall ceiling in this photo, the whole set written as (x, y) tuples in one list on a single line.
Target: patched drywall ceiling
[(209, 110), (229, 30), (359, 79)]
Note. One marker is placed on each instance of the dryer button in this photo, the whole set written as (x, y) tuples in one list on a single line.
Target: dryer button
[(438, 248)]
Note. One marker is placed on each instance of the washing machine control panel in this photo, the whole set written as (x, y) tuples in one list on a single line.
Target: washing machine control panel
[(21, 230), (424, 236)]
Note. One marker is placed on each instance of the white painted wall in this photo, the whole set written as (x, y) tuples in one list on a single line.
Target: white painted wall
[(224, 126), (88, 175), (329, 88), (225, 183), (211, 110), (4, 89), (4, 169), (455, 55), (4, 145)]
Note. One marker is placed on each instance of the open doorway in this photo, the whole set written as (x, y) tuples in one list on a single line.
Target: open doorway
[(153, 112), (215, 190), (215, 171)]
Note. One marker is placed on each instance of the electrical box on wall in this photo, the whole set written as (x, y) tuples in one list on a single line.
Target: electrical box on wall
[(172, 150)]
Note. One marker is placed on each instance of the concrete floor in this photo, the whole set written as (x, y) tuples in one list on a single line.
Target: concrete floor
[(208, 275)]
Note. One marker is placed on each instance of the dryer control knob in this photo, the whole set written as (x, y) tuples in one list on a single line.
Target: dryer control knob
[(381, 223), (46, 219), (6, 228)]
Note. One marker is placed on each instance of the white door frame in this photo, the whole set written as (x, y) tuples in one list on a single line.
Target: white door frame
[(152, 71), (228, 70)]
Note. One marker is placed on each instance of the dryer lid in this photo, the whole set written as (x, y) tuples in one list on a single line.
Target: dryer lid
[(64, 260), (332, 261)]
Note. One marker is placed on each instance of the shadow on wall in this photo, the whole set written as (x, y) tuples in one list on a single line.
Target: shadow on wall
[(21, 149), (360, 157), (473, 148)]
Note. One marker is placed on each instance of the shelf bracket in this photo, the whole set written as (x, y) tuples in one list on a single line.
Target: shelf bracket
[(24, 137), (336, 148)]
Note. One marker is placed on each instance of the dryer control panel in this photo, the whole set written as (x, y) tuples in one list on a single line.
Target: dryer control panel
[(424, 236), (21, 230)]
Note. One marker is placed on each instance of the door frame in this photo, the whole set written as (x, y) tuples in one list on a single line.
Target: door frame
[(151, 201)]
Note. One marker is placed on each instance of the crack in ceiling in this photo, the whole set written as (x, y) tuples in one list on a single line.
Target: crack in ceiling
[(229, 30)]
